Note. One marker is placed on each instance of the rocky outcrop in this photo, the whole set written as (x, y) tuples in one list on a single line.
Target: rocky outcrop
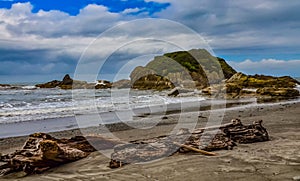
[(174, 92), (52, 84), (4, 85), (66, 83), (103, 84), (152, 82), (278, 92), (186, 69), (69, 83), (259, 81), (122, 84), (144, 78), (7, 86), (260, 86)]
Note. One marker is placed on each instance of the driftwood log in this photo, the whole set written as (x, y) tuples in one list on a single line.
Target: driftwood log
[(208, 139), (42, 152)]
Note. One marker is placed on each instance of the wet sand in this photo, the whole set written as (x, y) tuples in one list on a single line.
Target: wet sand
[(277, 159)]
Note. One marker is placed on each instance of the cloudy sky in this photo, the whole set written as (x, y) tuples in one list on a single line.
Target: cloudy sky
[(42, 40)]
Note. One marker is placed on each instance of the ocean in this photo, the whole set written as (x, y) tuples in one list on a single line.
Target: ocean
[(27, 103), (25, 109)]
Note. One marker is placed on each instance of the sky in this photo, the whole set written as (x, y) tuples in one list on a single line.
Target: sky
[(41, 40)]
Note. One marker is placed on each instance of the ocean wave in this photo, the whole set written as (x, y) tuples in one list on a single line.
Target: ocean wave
[(20, 105), (29, 87)]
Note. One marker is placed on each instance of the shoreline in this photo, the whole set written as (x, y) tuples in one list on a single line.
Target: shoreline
[(277, 159), (170, 118), (115, 117)]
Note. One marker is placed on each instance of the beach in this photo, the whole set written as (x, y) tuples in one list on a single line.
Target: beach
[(277, 159), (152, 90)]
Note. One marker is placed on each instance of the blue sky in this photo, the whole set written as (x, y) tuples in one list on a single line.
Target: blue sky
[(73, 7), (40, 39)]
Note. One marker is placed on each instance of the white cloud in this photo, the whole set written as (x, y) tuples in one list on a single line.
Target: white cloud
[(55, 37), (132, 10), (20, 21), (268, 66), (239, 25)]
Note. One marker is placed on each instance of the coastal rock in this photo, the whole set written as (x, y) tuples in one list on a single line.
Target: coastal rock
[(179, 91), (278, 92), (69, 83), (211, 90), (52, 84), (241, 85), (151, 82), (66, 83), (4, 85), (143, 78), (122, 84), (7, 86), (260, 81), (67, 80), (232, 89), (187, 69), (103, 84), (174, 92), (140, 72)]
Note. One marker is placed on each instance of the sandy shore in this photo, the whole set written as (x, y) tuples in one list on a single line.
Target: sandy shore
[(278, 159)]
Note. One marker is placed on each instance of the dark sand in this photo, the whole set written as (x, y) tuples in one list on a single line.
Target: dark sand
[(278, 159)]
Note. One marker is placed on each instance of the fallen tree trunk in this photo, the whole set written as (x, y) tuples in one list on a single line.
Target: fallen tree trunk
[(201, 141), (41, 152)]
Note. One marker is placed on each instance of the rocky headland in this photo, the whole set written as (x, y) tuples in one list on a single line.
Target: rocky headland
[(194, 69), (198, 69), (186, 71)]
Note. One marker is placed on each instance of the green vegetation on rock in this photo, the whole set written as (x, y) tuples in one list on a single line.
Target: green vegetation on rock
[(196, 68), (260, 81)]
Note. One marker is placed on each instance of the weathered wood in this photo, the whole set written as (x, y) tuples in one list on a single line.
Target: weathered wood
[(208, 139), (247, 134), (41, 152), (196, 150)]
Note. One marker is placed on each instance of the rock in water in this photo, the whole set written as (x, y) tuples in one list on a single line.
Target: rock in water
[(174, 92), (52, 84), (67, 80), (69, 83)]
